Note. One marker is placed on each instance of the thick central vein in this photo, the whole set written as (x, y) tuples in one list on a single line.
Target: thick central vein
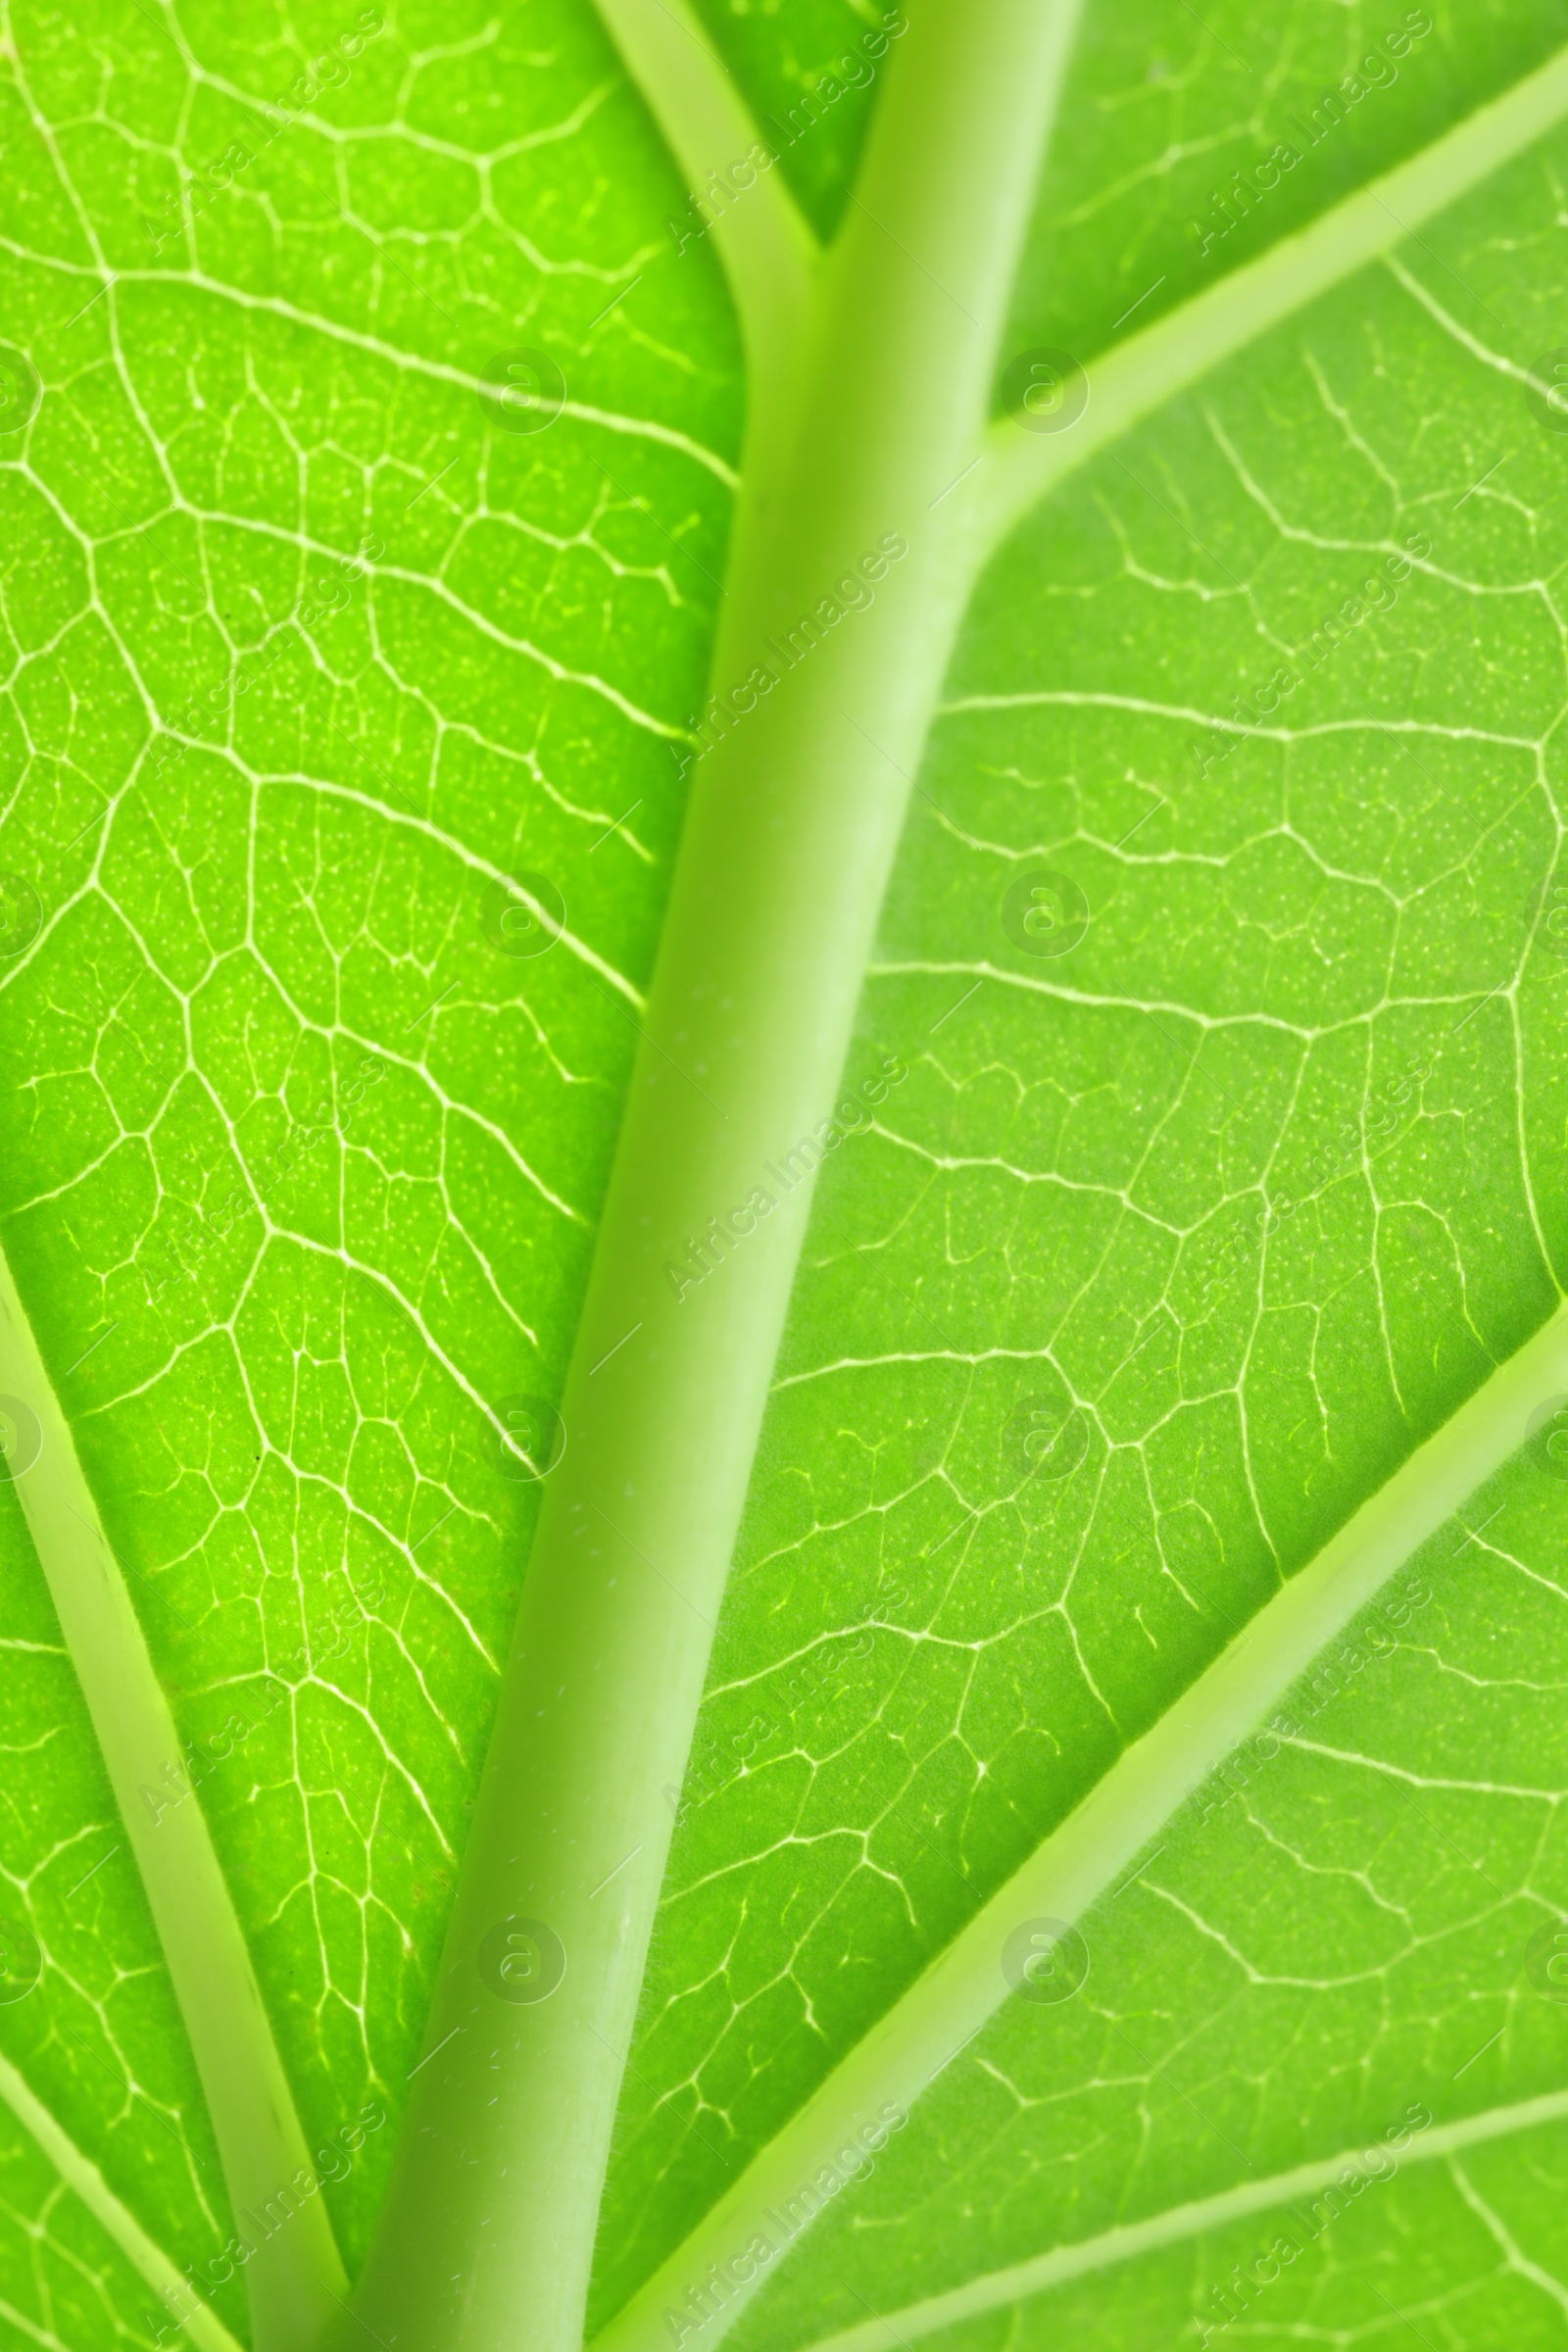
[(793, 824)]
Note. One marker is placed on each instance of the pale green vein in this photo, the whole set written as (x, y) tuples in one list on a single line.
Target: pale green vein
[(295, 2273), (204, 2327), (19, 2320), (1021, 468), (942, 2012), (766, 246), (374, 347), (1126, 2244), (789, 836)]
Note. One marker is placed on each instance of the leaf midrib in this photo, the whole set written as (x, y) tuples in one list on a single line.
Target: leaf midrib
[(1186, 355), (789, 835)]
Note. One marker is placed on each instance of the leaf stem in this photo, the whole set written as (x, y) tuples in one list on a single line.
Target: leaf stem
[(795, 815), (294, 2271)]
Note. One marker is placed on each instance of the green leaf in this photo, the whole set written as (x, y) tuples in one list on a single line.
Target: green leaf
[(1110, 1516)]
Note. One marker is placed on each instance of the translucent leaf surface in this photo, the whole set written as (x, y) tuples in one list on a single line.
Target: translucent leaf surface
[(1200, 1160)]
